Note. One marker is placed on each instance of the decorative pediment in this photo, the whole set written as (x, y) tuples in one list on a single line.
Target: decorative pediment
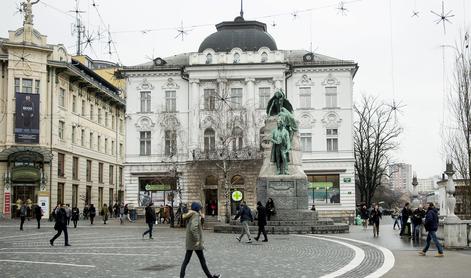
[(170, 84), (170, 122), (145, 85), (330, 80), (144, 123), (306, 121), (208, 122), (331, 120), (305, 81)]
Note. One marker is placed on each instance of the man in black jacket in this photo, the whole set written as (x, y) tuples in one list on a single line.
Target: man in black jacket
[(431, 225), (417, 216), (262, 221), (406, 213), (61, 225), (245, 216), (150, 219)]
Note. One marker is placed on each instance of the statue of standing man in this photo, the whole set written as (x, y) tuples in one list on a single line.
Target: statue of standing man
[(281, 144), (27, 8)]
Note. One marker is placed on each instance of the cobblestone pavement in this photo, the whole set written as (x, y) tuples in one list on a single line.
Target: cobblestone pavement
[(119, 251)]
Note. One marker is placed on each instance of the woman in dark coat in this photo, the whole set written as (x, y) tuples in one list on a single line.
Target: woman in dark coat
[(38, 213), (61, 225), (75, 215), (262, 221), (270, 207), (92, 213), (375, 216)]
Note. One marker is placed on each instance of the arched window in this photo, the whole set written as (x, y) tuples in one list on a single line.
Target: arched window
[(237, 138), (209, 58), (237, 180), (264, 57), (211, 180), (236, 58), (209, 140)]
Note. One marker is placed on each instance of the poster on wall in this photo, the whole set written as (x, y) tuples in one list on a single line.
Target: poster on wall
[(43, 202), (27, 118)]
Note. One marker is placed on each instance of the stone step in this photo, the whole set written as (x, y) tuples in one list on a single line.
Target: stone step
[(322, 221), (315, 229)]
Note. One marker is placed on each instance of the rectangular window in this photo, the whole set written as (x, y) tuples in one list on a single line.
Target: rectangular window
[(73, 134), (112, 148), (89, 170), (91, 141), (332, 140), (110, 196), (27, 85), (74, 195), (331, 97), (305, 97), (306, 142), (60, 192), (100, 118), (62, 97), (111, 174), (37, 86), (145, 140), (83, 108), (121, 126), (113, 122), (236, 98), (88, 195), (98, 143), (92, 117), (106, 119), (209, 99), (120, 176), (61, 130), (75, 168), (121, 151), (170, 142), (263, 97), (82, 138), (60, 164), (100, 172), (324, 189), (74, 104), (145, 101), (100, 197), (170, 101), (106, 145), (17, 85)]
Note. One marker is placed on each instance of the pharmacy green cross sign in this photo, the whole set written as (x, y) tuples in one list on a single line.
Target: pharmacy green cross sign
[(237, 195)]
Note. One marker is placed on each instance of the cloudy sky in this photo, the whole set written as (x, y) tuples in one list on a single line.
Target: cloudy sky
[(400, 55)]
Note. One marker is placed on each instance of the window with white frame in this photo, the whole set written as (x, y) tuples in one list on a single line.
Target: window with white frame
[(263, 97), (237, 138), (145, 140), (99, 143), (91, 141), (28, 86), (331, 97), (106, 146), (106, 119), (306, 142), (37, 86), (209, 58), (61, 97), (305, 97), (145, 101), (83, 108), (170, 142), (332, 139), (92, 111), (100, 117), (61, 130), (209, 99), (209, 140), (74, 103), (170, 101), (73, 134), (17, 85), (236, 98), (82, 138), (112, 147)]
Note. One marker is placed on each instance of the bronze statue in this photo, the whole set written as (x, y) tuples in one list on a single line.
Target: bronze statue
[(281, 144), (277, 102), (288, 121)]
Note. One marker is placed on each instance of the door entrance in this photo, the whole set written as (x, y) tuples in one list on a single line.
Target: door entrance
[(211, 199), (25, 193)]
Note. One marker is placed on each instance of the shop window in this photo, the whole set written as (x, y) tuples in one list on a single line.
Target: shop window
[(324, 189)]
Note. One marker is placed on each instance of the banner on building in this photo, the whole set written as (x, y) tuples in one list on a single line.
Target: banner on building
[(7, 203), (27, 118)]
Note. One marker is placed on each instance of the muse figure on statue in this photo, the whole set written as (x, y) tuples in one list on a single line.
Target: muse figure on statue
[(281, 144), (277, 102)]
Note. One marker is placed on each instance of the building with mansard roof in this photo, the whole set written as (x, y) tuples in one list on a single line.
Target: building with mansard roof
[(195, 121)]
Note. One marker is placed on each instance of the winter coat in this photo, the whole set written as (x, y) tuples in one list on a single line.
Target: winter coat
[(406, 213), (262, 216), (375, 216), (245, 214), (75, 214), (150, 215), (23, 211), (364, 214), (61, 219), (68, 211), (194, 231), (92, 211), (270, 207), (38, 212), (431, 220), (417, 216)]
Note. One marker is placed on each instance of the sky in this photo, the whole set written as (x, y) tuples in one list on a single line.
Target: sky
[(402, 58)]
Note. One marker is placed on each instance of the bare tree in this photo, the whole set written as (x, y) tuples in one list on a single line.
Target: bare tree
[(458, 141), (375, 135)]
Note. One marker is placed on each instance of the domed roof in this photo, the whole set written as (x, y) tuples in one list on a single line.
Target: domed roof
[(246, 35)]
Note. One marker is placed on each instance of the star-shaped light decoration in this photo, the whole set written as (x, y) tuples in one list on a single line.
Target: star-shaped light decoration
[(396, 107), (341, 8), (18, 9), (443, 17), (182, 32), (89, 39), (273, 24), (294, 15), (25, 62), (415, 14)]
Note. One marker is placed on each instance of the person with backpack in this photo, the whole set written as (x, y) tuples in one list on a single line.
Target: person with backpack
[(75, 216), (61, 226), (38, 213), (245, 216), (194, 240), (431, 226), (150, 219), (23, 214), (262, 221), (92, 213)]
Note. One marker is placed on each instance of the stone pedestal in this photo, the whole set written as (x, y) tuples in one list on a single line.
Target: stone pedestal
[(455, 235)]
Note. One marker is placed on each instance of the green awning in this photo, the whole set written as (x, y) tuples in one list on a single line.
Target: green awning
[(25, 174)]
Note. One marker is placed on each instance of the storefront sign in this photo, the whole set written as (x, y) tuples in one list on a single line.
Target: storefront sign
[(7, 203), (237, 195), (347, 180), (158, 187), (27, 118), (43, 202)]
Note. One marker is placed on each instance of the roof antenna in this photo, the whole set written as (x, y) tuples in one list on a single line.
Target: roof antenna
[(242, 8)]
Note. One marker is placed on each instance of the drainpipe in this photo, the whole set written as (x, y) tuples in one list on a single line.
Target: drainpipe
[(288, 74), (51, 99)]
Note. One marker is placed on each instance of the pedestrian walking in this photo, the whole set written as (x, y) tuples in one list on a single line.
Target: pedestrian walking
[(245, 216), (38, 213), (121, 213), (104, 213), (61, 226), (86, 210), (75, 216), (68, 211), (396, 215), (375, 217), (262, 221), (23, 214), (110, 210), (364, 214), (150, 219), (161, 214), (126, 212), (417, 216), (92, 213), (405, 214), (116, 210), (194, 240), (431, 226), (270, 207)]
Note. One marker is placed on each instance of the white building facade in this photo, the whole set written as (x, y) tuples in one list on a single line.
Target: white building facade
[(174, 127)]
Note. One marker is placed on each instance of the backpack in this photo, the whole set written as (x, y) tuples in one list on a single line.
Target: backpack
[(23, 211)]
